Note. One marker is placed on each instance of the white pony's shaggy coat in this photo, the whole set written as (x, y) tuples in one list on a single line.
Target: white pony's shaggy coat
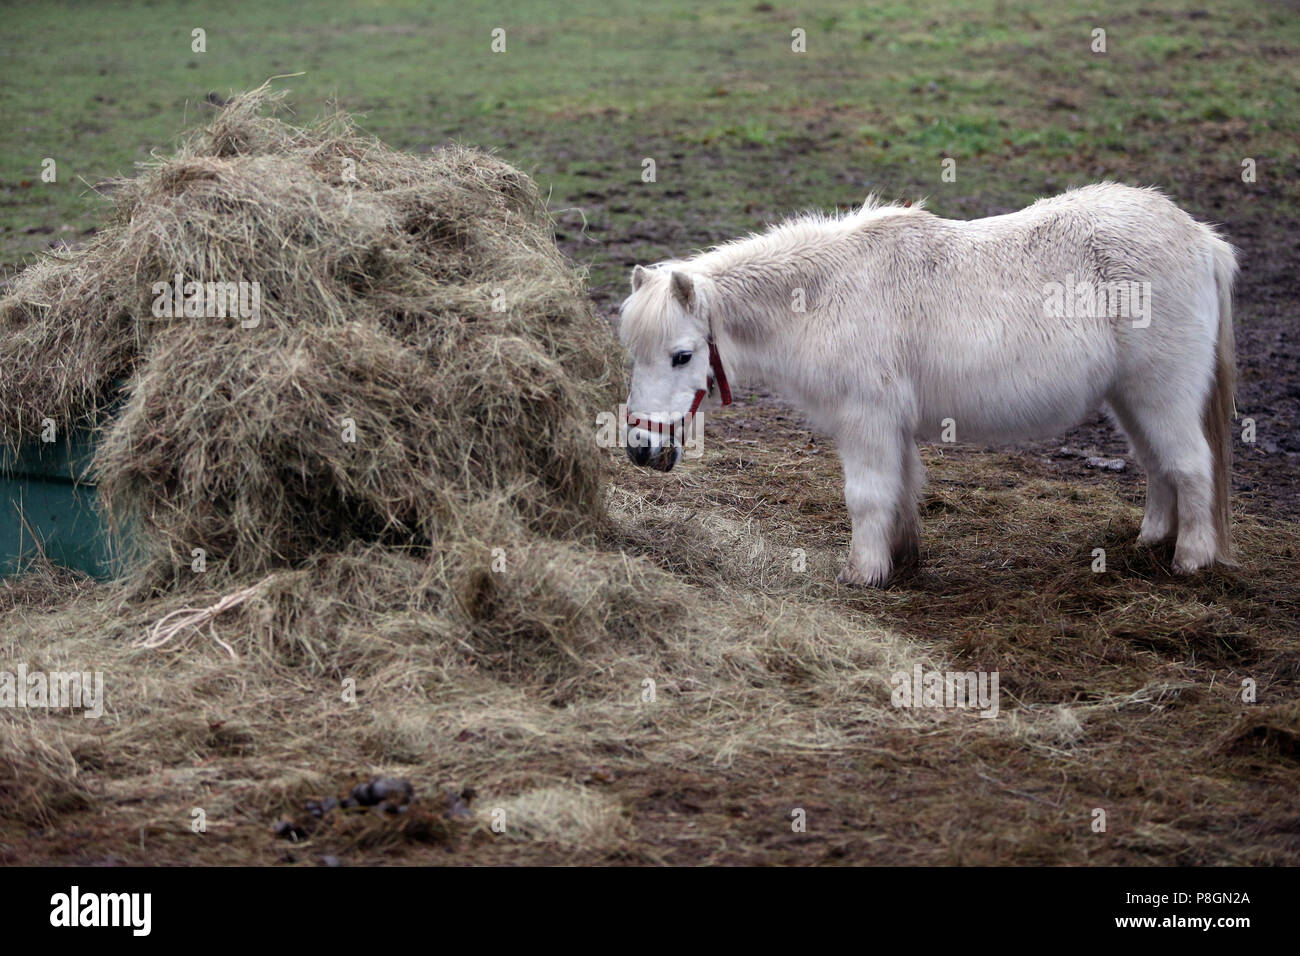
[(911, 321)]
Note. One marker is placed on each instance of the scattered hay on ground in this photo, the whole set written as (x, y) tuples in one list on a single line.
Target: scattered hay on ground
[(1268, 732), (568, 816)]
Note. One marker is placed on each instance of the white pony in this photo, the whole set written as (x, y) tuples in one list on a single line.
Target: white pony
[(889, 324)]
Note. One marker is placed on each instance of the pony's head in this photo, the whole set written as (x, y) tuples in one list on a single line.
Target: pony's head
[(675, 366)]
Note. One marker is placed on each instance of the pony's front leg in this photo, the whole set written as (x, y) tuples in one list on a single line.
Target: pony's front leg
[(873, 483)]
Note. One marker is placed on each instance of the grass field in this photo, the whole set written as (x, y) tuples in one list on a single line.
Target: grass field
[(741, 128), (1124, 689)]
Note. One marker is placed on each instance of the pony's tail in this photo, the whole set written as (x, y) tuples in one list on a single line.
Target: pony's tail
[(1220, 408)]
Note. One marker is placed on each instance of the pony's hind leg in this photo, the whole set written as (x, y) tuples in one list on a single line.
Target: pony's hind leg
[(1160, 519), (905, 543), (1191, 468), (1180, 453)]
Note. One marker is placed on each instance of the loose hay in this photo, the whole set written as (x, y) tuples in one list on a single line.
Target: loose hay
[(571, 816), (545, 680), (1273, 731)]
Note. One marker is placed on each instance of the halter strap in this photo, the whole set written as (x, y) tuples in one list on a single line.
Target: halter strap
[(717, 381)]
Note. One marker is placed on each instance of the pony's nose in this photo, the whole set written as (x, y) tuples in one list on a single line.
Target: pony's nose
[(661, 458), (639, 454)]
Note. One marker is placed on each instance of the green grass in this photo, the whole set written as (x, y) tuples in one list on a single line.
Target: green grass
[(742, 129)]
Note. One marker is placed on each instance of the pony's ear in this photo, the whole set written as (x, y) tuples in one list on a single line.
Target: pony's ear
[(639, 275), (683, 289)]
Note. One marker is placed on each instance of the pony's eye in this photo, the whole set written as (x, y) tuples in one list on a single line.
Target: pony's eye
[(680, 359)]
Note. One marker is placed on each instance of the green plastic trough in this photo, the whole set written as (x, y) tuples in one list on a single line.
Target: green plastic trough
[(50, 507)]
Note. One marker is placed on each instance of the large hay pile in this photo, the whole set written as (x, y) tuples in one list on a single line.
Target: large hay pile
[(420, 298)]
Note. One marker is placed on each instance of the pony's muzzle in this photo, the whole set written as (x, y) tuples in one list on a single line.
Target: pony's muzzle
[(660, 457)]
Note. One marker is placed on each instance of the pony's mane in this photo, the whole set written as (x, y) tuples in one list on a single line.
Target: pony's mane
[(648, 326)]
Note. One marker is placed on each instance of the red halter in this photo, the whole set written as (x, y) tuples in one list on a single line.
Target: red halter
[(717, 380)]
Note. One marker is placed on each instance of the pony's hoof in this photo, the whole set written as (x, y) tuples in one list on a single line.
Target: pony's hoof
[(1184, 565), (1192, 557), (852, 577)]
